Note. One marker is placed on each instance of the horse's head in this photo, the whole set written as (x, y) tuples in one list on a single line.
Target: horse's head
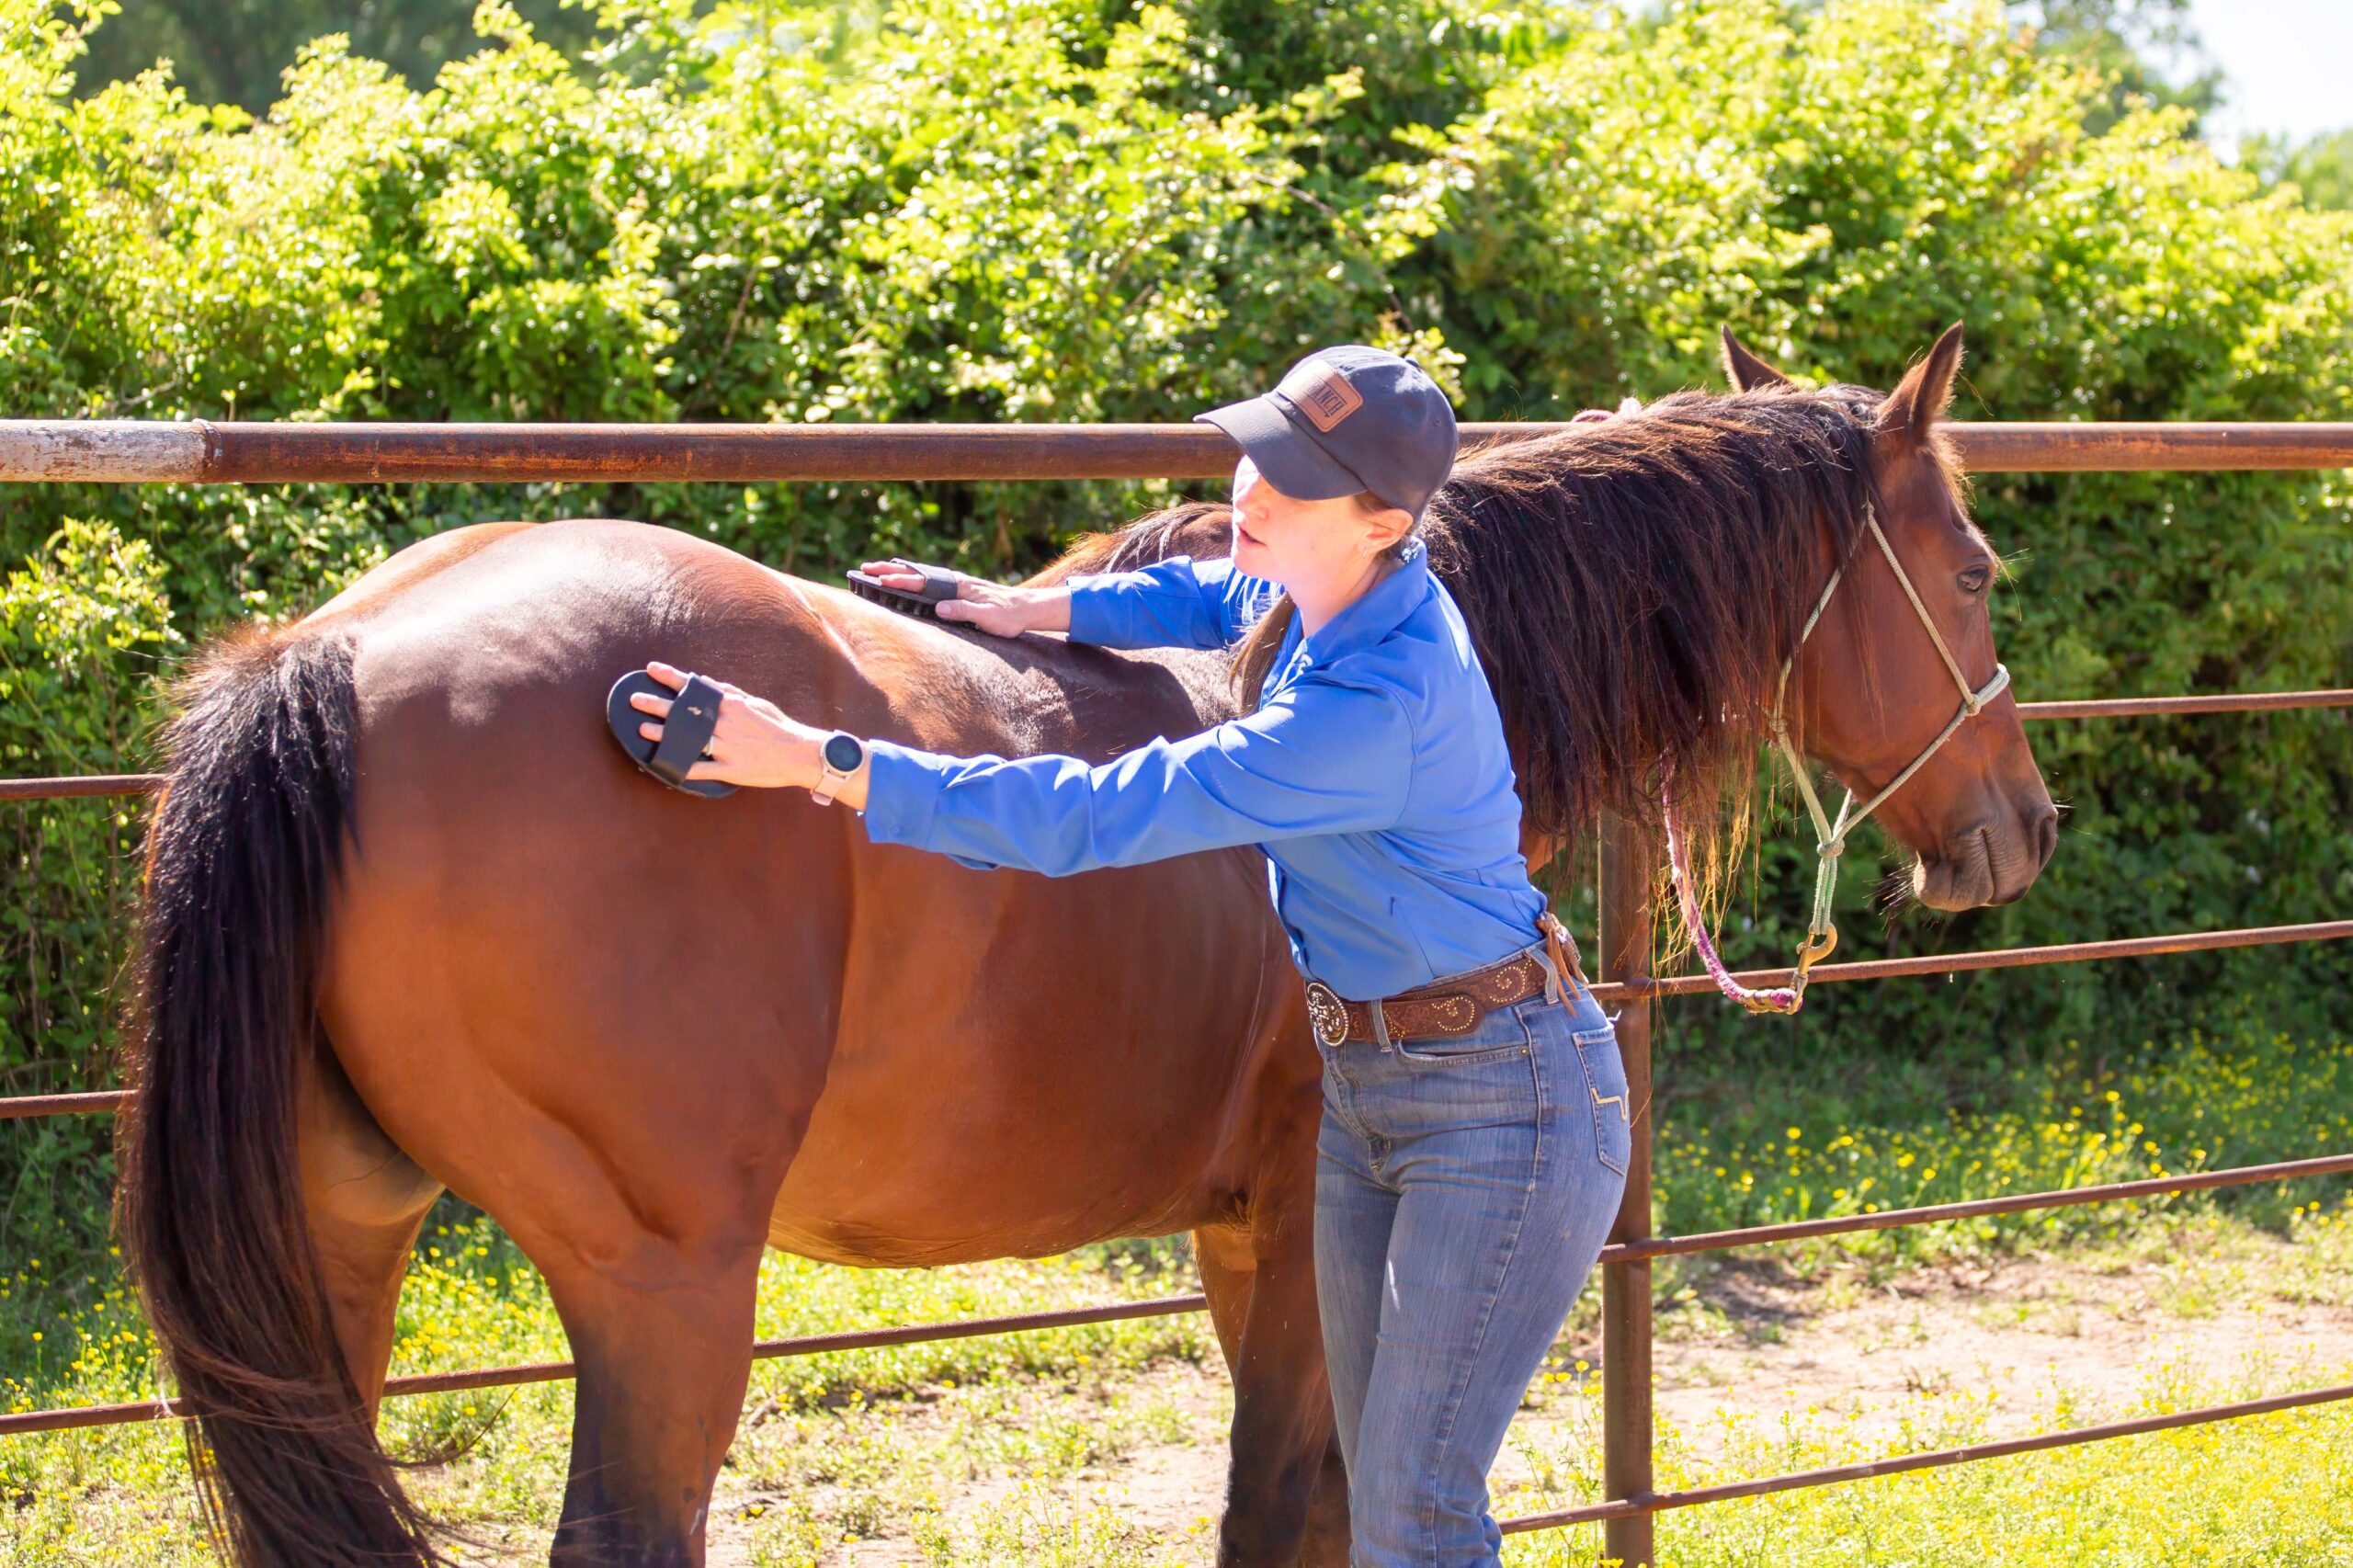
[(1872, 692)]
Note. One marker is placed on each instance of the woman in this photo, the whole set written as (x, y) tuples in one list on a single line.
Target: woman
[(1474, 1139)]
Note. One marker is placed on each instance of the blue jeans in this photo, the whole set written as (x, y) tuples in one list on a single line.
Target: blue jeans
[(1464, 1187)]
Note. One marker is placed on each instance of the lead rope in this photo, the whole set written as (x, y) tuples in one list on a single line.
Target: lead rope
[(1779, 999)]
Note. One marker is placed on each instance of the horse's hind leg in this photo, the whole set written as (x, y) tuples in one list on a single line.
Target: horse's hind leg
[(364, 1200), (664, 1351)]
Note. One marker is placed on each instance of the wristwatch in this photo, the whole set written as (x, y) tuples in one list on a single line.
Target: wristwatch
[(842, 754)]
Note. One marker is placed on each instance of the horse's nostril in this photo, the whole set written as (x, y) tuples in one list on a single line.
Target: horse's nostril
[(2046, 836)]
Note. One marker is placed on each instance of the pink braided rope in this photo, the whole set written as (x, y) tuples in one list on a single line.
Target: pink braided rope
[(1780, 999)]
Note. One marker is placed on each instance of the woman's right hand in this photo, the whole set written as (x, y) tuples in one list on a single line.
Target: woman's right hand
[(989, 607)]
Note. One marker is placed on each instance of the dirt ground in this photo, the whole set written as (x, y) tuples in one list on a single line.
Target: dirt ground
[(2038, 1342)]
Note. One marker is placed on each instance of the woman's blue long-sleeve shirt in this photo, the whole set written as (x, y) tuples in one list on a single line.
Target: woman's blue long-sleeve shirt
[(1373, 775)]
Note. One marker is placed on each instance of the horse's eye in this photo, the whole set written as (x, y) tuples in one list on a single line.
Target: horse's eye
[(1973, 581)]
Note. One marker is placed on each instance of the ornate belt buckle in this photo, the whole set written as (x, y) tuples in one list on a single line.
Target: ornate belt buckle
[(1326, 1013)]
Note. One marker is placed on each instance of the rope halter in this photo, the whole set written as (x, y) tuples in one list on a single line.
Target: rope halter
[(1822, 933)]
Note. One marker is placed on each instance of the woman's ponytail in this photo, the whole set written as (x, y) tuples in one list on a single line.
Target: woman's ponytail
[(1256, 656)]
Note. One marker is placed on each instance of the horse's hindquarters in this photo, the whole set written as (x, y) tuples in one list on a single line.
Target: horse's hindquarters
[(649, 1033)]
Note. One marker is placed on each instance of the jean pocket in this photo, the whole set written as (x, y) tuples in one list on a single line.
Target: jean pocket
[(1499, 1036), (1605, 1083)]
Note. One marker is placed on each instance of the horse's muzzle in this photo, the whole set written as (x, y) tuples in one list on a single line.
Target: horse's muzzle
[(1988, 864)]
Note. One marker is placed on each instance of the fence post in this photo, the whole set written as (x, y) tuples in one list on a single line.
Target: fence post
[(1625, 953)]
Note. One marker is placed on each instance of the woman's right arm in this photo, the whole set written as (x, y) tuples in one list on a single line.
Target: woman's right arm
[(1176, 603), (1317, 758)]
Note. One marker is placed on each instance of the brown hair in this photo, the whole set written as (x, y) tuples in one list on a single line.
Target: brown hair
[(1255, 653)]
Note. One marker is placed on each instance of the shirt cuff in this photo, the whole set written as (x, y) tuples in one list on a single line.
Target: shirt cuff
[(903, 788), (1091, 608)]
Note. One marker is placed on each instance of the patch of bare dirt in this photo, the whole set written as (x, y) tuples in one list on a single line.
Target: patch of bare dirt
[(2032, 1330)]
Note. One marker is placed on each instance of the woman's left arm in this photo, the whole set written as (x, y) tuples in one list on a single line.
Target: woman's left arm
[(1318, 758)]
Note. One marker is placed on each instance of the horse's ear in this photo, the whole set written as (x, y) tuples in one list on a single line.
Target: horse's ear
[(1920, 398), (1746, 371)]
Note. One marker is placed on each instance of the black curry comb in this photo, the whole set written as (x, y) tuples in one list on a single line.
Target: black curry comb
[(939, 583)]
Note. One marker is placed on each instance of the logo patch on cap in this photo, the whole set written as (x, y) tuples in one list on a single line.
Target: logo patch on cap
[(1323, 394)]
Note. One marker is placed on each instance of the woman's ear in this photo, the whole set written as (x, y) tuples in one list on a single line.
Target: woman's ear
[(1384, 528)]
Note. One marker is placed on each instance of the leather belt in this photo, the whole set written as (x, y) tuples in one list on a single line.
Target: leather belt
[(1450, 1006)]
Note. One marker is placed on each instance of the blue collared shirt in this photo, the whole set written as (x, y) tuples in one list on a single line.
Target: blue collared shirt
[(1373, 775)]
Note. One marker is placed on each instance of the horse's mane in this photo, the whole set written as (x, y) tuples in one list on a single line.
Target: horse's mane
[(1200, 528), (1633, 587)]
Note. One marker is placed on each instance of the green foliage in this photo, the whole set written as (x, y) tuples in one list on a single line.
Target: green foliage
[(1069, 209), (84, 622), (2320, 169), (2121, 39)]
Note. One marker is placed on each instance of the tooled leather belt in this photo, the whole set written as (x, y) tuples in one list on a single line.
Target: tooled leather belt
[(1450, 1006)]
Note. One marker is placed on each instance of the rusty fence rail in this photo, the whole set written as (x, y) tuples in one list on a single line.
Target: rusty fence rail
[(207, 451), (1924, 965), (200, 451)]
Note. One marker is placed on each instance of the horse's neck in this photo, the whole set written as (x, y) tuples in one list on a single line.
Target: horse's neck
[(1202, 529), (1541, 850)]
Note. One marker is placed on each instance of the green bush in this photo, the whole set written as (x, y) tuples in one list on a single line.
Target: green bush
[(1064, 210), (1840, 183)]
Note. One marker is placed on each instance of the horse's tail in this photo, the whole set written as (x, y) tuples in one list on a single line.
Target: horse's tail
[(243, 852)]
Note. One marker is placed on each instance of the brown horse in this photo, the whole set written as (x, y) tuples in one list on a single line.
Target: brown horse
[(413, 923)]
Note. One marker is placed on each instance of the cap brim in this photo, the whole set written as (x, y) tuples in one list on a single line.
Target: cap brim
[(1291, 459)]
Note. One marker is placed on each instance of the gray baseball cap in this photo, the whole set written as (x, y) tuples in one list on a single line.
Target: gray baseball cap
[(1345, 419)]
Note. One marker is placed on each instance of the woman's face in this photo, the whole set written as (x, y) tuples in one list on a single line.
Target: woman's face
[(1305, 543)]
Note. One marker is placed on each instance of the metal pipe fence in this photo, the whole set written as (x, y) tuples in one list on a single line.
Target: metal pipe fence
[(200, 451), (208, 451), (558, 1371)]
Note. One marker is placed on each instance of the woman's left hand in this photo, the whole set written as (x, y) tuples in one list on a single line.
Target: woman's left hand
[(754, 742)]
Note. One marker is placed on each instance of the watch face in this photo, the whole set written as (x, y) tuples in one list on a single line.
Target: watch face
[(843, 752)]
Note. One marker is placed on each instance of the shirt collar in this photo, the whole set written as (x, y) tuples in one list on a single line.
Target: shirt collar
[(1381, 610)]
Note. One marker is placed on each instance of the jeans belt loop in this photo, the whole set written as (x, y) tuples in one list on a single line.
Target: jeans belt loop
[(1380, 1025)]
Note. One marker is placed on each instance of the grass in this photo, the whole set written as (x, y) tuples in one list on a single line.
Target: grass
[(1800, 1139), (123, 1493), (1023, 1430)]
